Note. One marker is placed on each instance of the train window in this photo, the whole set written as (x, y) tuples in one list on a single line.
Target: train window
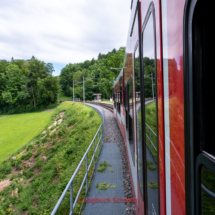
[(126, 105), (151, 147), (130, 117), (208, 191), (138, 120), (199, 111), (120, 82)]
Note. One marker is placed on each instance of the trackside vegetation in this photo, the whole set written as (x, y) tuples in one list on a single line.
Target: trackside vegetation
[(17, 130), (27, 86), (40, 171)]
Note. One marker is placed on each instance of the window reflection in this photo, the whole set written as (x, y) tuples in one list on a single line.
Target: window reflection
[(208, 191), (130, 116), (138, 120), (150, 117)]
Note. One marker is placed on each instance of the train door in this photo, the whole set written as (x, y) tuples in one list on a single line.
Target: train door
[(199, 75)]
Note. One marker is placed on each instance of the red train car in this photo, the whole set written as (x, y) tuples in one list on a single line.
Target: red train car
[(164, 102)]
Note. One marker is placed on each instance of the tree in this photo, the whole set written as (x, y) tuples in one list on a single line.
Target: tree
[(49, 68), (13, 80)]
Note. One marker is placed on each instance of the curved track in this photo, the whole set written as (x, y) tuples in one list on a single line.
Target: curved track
[(104, 105)]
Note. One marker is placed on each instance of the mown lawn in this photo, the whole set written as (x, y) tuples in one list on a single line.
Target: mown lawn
[(17, 130)]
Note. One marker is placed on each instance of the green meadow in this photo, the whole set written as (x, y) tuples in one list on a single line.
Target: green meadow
[(17, 130)]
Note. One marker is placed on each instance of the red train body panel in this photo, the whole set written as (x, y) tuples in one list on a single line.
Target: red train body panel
[(159, 44)]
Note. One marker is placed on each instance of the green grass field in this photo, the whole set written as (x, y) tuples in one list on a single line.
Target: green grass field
[(17, 130)]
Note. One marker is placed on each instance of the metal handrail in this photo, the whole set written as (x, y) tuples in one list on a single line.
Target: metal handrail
[(150, 141), (70, 184)]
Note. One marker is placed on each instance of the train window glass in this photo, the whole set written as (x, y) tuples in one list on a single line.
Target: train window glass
[(207, 191), (204, 75), (138, 120), (126, 105), (120, 82), (130, 117), (149, 70)]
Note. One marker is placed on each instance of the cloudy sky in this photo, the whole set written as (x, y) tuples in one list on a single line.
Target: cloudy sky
[(62, 31)]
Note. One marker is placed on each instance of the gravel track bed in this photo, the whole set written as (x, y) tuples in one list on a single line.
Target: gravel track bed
[(113, 135)]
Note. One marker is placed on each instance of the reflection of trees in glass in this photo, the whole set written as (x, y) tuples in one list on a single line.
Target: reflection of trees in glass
[(149, 69), (137, 78), (208, 180), (151, 121)]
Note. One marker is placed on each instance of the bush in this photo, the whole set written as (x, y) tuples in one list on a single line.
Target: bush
[(26, 156), (2, 211), (39, 163), (44, 140), (38, 152), (5, 168), (29, 147), (72, 122), (28, 174)]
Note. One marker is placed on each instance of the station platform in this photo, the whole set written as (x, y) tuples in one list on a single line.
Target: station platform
[(112, 204)]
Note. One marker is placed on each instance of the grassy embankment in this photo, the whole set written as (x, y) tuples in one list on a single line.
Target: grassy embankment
[(42, 170), (62, 96), (17, 130), (151, 121)]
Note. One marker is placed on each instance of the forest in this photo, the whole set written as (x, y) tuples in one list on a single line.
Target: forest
[(27, 85), (98, 75)]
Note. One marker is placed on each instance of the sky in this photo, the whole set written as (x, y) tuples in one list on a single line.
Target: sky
[(62, 31)]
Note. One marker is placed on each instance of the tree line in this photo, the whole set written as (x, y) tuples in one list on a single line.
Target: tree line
[(27, 85), (97, 73)]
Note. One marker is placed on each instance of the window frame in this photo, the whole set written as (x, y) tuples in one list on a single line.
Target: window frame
[(151, 11)]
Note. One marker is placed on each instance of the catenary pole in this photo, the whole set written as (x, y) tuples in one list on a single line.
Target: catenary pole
[(83, 92), (152, 86), (73, 91)]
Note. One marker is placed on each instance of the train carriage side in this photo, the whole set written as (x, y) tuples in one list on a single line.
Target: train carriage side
[(148, 96)]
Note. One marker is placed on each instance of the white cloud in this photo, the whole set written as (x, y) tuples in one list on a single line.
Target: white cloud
[(62, 31)]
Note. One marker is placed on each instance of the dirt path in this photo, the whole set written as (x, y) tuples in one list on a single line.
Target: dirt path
[(4, 184)]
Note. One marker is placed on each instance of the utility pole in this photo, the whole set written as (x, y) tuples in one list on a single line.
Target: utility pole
[(73, 91), (83, 92), (152, 85)]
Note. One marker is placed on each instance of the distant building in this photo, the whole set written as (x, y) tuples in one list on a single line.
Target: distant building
[(97, 96)]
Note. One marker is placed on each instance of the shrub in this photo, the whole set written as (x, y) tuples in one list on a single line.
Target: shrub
[(72, 122), (26, 156), (5, 168), (39, 162), (38, 152), (28, 174), (29, 147), (44, 140), (60, 132), (2, 211)]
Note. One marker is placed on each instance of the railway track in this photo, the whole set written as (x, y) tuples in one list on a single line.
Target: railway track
[(104, 105)]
